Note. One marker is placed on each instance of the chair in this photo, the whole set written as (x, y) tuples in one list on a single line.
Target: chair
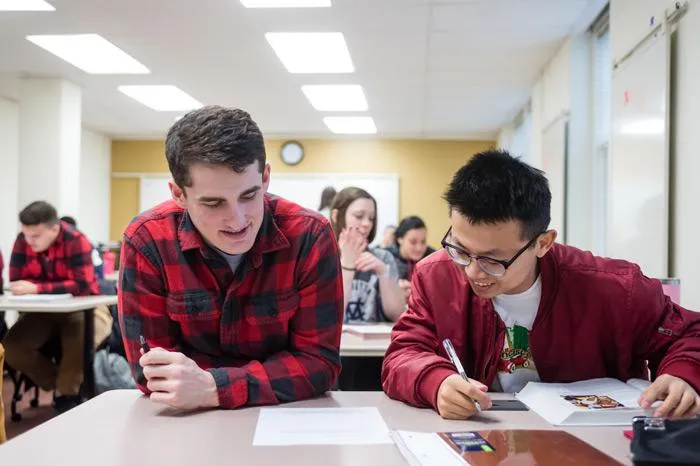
[(3, 434), (52, 349)]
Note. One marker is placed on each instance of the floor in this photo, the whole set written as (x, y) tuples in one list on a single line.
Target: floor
[(31, 417)]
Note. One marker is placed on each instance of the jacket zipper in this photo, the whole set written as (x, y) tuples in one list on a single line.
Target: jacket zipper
[(667, 331)]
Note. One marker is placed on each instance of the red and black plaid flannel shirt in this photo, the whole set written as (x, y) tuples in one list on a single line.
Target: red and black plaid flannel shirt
[(66, 267), (269, 333)]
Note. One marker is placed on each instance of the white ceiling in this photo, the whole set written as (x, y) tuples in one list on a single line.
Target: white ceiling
[(430, 68)]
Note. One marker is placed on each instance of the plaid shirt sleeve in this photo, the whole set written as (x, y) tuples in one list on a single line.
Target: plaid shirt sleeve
[(308, 368), (77, 266)]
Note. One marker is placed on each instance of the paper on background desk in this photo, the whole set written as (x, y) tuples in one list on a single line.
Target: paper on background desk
[(320, 426), (39, 297)]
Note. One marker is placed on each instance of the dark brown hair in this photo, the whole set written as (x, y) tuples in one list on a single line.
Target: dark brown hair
[(213, 135), (327, 196), (38, 212), (342, 201)]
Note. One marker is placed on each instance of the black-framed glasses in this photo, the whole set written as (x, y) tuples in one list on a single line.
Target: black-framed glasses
[(491, 266)]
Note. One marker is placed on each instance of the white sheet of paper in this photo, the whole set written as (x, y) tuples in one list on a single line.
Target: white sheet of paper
[(320, 426), (39, 297)]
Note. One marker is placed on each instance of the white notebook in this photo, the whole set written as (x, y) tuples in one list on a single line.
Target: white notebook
[(39, 297), (602, 402)]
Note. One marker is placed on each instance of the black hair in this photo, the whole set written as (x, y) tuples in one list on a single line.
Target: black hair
[(407, 224), (496, 187), (70, 221), (38, 212), (213, 135)]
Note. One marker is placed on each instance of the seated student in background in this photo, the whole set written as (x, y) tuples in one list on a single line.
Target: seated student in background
[(410, 246), (96, 259), (237, 293), (520, 308), (327, 195), (370, 278), (50, 257)]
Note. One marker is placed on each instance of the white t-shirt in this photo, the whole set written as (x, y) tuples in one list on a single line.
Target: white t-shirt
[(515, 366)]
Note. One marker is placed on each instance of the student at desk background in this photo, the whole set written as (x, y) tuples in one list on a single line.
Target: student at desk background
[(238, 293), (50, 257), (520, 308), (410, 246), (370, 278)]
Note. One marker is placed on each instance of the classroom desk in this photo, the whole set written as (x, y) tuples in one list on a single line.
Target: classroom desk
[(123, 428), (80, 303), (355, 346), (112, 276)]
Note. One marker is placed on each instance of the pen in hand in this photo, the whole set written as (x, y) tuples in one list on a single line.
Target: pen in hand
[(144, 346), (452, 354)]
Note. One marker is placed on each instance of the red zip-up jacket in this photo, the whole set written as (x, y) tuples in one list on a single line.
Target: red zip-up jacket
[(597, 317)]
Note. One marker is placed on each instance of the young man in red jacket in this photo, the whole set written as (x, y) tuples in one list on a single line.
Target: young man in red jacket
[(518, 307), (237, 294)]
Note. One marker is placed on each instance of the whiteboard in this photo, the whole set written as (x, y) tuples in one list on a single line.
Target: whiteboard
[(154, 190), (554, 165), (305, 189), (638, 222), (639, 18)]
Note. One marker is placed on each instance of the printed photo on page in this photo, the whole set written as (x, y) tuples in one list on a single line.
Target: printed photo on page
[(593, 401)]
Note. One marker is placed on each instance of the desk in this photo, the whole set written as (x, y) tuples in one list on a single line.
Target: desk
[(122, 428), (355, 346), (80, 303), (112, 276)]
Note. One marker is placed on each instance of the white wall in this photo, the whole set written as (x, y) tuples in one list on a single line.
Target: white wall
[(685, 259), (95, 166), (505, 136), (9, 176), (556, 86)]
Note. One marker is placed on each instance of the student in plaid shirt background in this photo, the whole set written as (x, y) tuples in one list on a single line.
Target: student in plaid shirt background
[(50, 257), (237, 293)]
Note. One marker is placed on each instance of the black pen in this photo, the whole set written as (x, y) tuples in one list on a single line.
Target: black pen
[(144, 345)]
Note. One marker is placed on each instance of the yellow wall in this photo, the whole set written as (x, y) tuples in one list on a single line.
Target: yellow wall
[(425, 168)]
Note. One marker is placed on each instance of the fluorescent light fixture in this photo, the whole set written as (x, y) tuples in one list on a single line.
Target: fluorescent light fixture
[(164, 98), (351, 125), (285, 3), (91, 53), (25, 5), (643, 127), (336, 97), (311, 52)]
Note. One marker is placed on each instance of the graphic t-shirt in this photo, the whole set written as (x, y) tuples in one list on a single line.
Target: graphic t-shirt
[(365, 303), (515, 366)]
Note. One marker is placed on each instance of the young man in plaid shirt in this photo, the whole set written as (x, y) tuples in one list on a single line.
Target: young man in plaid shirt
[(236, 294), (50, 257)]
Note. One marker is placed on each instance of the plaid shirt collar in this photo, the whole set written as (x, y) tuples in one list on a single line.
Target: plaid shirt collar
[(270, 238)]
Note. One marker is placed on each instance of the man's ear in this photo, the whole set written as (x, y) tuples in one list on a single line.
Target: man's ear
[(545, 242), (266, 177), (178, 194)]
